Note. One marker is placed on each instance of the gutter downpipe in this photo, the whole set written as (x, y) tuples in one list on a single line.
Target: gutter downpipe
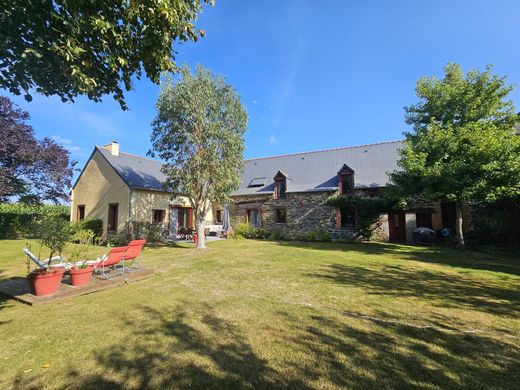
[(130, 193)]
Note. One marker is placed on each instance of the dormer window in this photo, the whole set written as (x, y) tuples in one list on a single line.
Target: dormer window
[(280, 185), (345, 180)]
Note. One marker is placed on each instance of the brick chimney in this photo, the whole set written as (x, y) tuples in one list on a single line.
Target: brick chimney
[(113, 147)]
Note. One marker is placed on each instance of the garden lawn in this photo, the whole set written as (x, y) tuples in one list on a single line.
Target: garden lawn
[(261, 314)]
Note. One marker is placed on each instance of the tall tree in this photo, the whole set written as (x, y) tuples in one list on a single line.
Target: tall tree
[(199, 133), (92, 48), (463, 145), (32, 170)]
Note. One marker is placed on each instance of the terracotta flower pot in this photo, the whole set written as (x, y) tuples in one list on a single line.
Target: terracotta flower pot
[(81, 276), (45, 283)]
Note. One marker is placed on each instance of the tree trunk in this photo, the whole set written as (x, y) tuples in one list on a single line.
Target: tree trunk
[(200, 220), (458, 226)]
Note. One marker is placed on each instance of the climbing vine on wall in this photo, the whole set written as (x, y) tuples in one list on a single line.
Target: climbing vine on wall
[(368, 211)]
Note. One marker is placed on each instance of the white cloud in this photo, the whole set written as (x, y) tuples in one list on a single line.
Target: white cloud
[(59, 139), (273, 140), (254, 101), (67, 144)]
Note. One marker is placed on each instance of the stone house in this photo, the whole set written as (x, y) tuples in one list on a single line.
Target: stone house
[(287, 193)]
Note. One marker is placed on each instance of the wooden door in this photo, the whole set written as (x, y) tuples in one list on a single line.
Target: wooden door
[(397, 226), (424, 220)]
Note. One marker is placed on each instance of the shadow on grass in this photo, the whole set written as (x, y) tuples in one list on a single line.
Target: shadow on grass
[(170, 350), (178, 349), (434, 254), (5, 302), (398, 356), (444, 290)]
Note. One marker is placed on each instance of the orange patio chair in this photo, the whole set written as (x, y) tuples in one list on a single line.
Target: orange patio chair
[(133, 253), (110, 261)]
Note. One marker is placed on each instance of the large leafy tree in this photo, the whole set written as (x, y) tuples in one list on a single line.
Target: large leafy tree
[(199, 133), (33, 170), (462, 146), (92, 48)]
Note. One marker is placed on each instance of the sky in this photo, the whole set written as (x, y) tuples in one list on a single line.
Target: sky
[(312, 74)]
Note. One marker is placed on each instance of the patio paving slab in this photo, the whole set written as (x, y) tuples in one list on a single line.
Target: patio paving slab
[(18, 288)]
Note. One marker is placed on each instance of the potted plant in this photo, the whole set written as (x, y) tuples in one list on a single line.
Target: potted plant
[(54, 233), (81, 271)]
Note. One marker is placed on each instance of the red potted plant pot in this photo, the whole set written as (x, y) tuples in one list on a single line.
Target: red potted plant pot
[(44, 282), (80, 276)]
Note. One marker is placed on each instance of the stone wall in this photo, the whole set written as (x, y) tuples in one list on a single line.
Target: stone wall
[(305, 212)]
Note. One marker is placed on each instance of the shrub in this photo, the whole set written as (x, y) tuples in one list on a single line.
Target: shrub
[(154, 233), (319, 235), (54, 233), (144, 230), (277, 235), (19, 220), (261, 233), (244, 230), (94, 225)]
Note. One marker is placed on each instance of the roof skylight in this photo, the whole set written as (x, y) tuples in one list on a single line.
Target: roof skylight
[(257, 182)]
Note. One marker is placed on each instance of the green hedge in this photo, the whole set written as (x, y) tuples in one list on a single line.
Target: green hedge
[(244, 230), (19, 220), (95, 225)]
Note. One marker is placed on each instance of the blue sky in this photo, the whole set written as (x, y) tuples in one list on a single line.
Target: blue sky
[(312, 74)]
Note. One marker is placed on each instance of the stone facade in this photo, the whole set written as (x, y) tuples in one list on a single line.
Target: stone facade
[(305, 212)]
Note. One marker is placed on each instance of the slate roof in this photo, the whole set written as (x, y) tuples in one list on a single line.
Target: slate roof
[(305, 172), (318, 171), (136, 171)]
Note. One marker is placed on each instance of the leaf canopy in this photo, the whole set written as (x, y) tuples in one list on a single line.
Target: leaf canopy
[(463, 145), (199, 133), (92, 48)]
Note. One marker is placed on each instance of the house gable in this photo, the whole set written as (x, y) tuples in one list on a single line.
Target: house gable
[(97, 186)]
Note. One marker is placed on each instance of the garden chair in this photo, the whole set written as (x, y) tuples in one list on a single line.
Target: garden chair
[(56, 261), (110, 261), (133, 253)]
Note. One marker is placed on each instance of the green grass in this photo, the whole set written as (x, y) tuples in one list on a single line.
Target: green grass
[(253, 314)]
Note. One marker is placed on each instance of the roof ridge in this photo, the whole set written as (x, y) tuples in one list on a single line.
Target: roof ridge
[(322, 150), (132, 154)]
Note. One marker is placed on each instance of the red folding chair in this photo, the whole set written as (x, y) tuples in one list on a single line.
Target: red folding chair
[(133, 253), (110, 261)]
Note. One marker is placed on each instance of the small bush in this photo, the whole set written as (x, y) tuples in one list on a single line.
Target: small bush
[(154, 233), (319, 235), (277, 235), (244, 230), (94, 225), (261, 233), (54, 233)]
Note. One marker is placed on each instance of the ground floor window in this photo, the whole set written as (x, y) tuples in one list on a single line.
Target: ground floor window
[(253, 217), (81, 213), (158, 216), (348, 217), (280, 215), (112, 217)]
